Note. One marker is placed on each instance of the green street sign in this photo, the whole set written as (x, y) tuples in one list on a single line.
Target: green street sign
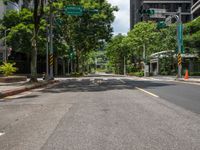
[(74, 10), (150, 12)]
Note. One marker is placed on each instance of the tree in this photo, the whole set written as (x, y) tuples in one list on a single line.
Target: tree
[(38, 13), (192, 36), (21, 31), (116, 51), (84, 33)]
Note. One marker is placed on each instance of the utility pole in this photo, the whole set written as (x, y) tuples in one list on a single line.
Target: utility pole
[(168, 21), (47, 55), (179, 31), (51, 40)]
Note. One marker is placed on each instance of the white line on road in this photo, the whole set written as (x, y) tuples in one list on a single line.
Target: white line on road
[(147, 92), (2, 133), (122, 81)]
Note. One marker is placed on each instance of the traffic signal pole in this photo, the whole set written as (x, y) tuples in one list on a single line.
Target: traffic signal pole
[(177, 16), (179, 24)]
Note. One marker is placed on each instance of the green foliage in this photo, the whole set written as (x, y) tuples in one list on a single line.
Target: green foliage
[(76, 74), (116, 51), (137, 74), (166, 66), (21, 31), (84, 33), (8, 69), (192, 36), (143, 35), (194, 73)]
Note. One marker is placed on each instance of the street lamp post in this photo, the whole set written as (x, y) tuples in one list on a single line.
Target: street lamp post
[(179, 43), (5, 44)]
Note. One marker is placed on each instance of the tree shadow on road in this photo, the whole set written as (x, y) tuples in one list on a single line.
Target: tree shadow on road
[(99, 85)]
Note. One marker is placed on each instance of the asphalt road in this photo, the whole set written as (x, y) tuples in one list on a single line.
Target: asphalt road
[(103, 113), (182, 94)]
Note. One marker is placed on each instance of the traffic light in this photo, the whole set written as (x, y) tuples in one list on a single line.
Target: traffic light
[(161, 25), (146, 11), (149, 11)]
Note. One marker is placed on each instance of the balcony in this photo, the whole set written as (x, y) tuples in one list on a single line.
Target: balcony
[(167, 1), (196, 7)]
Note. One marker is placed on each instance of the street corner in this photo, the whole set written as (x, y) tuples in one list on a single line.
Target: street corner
[(28, 87)]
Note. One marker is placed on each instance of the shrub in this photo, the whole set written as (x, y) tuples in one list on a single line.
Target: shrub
[(138, 74), (8, 69), (194, 73), (76, 74)]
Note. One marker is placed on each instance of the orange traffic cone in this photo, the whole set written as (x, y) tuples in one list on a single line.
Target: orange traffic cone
[(186, 75)]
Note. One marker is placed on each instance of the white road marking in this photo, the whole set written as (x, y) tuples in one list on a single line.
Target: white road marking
[(79, 79), (2, 133), (37, 90), (122, 81), (147, 92)]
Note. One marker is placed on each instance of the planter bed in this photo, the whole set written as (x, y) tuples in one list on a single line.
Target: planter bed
[(12, 79)]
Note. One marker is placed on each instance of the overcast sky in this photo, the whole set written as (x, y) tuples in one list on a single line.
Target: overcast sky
[(122, 20)]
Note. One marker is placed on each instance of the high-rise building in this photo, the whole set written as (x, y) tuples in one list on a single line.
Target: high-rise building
[(160, 6), (9, 6), (195, 10), (135, 16), (168, 6)]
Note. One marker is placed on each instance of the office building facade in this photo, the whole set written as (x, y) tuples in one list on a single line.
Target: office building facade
[(161, 6), (195, 10), (135, 16)]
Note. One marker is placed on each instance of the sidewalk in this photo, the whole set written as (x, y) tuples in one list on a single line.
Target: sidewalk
[(195, 79), (9, 89)]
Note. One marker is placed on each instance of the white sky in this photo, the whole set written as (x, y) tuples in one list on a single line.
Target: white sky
[(122, 20)]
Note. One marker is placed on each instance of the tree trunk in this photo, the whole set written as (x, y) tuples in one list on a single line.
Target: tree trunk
[(28, 60), (63, 64), (37, 15), (77, 64), (56, 65), (34, 64)]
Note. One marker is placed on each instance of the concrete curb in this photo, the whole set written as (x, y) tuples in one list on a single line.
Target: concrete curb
[(189, 81), (24, 89)]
